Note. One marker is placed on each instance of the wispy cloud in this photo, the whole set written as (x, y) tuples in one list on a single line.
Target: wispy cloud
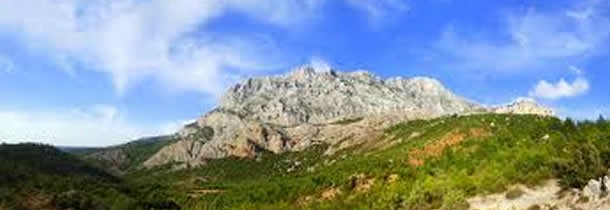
[(6, 64), (580, 14), (169, 43), (576, 70), (97, 125), (536, 39), (378, 10), (163, 41)]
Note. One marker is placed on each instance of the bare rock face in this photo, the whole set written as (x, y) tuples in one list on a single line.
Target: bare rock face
[(524, 106), (305, 107), (307, 96), (114, 157)]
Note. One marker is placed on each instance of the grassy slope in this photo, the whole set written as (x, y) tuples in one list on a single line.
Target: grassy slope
[(486, 153), (136, 152), (34, 176)]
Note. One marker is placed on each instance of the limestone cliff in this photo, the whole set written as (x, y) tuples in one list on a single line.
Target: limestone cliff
[(304, 107)]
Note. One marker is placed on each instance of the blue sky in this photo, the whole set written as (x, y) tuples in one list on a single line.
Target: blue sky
[(94, 72)]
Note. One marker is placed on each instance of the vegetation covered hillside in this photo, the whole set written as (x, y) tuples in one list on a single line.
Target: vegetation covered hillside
[(419, 165), (424, 164), (125, 157), (34, 176)]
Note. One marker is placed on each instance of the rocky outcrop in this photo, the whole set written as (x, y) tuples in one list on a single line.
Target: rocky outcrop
[(307, 96), (120, 158), (549, 196), (523, 106), (294, 111), (305, 107)]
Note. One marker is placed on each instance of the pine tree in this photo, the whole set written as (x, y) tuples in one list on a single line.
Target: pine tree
[(601, 119), (601, 123), (569, 125)]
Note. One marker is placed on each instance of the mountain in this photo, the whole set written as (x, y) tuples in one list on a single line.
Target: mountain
[(308, 107), (35, 176), (125, 157), (331, 140), (44, 159), (76, 149)]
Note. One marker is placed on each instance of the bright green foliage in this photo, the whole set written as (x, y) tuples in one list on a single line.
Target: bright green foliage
[(505, 150), (428, 164)]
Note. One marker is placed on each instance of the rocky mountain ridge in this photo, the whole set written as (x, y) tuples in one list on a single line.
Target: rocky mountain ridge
[(305, 107), (523, 106), (119, 159)]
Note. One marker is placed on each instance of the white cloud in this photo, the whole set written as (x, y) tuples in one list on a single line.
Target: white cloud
[(6, 64), (157, 40), (561, 89), (165, 41), (99, 125), (581, 15), (284, 13), (535, 41), (377, 10), (576, 70)]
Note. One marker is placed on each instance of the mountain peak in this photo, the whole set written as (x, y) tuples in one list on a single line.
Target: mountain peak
[(308, 71), (293, 111)]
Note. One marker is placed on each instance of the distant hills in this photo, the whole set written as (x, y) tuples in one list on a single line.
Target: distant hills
[(125, 157), (35, 176)]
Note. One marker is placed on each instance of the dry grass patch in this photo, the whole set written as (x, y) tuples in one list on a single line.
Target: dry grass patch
[(361, 183), (417, 156), (330, 193)]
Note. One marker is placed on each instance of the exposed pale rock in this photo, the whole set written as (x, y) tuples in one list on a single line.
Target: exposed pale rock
[(524, 106), (114, 157), (291, 112), (597, 187), (549, 196), (120, 158), (306, 96)]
